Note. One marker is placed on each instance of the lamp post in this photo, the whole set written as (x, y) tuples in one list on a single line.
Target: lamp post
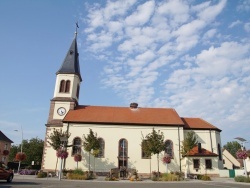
[(63, 140), (242, 140), (21, 147)]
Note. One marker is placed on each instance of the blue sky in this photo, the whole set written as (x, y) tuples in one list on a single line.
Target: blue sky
[(192, 56)]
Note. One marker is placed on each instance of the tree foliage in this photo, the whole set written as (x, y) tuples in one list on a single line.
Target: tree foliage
[(54, 138), (33, 149), (91, 141), (232, 147), (153, 144), (189, 142)]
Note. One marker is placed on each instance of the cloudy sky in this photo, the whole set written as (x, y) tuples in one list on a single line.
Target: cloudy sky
[(193, 56)]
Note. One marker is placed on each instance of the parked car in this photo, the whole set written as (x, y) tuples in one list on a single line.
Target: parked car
[(6, 173)]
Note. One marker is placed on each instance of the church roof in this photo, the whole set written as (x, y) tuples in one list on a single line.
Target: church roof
[(4, 138), (123, 115), (197, 123), (70, 64), (194, 152), (139, 116)]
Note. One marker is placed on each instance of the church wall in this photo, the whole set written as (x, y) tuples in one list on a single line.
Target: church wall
[(133, 134)]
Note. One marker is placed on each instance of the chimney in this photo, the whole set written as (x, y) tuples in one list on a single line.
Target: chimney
[(133, 105), (199, 148)]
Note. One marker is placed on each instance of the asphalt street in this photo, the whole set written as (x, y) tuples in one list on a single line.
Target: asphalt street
[(32, 182)]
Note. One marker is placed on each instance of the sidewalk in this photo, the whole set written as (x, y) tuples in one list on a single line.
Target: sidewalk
[(102, 178)]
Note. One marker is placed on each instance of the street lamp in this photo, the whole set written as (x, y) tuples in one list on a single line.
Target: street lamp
[(63, 140), (21, 147), (242, 148)]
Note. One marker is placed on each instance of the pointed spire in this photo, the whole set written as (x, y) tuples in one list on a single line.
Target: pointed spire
[(70, 64)]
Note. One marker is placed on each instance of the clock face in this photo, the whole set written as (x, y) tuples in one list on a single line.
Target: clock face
[(61, 111)]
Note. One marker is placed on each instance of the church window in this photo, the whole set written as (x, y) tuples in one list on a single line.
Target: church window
[(219, 152), (102, 147), (62, 86), (123, 148), (144, 155), (76, 148), (169, 148), (67, 86)]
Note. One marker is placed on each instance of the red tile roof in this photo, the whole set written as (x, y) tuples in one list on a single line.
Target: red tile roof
[(194, 152), (123, 115), (197, 123), (129, 116)]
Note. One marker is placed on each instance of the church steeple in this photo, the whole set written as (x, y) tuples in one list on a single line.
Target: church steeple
[(70, 64)]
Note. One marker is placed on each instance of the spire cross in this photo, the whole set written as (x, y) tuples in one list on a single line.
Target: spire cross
[(76, 27)]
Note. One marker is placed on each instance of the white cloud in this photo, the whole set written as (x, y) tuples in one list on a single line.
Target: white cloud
[(235, 23), (142, 15), (247, 27), (244, 5)]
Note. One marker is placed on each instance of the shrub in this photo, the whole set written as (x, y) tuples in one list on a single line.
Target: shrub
[(175, 176), (41, 174), (78, 171), (242, 179), (205, 178)]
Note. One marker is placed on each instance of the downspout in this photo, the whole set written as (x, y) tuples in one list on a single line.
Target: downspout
[(179, 146), (211, 141)]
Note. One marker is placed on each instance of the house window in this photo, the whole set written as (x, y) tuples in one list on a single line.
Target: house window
[(102, 147), (208, 163), (123, 148), (223, 161), (143, 154), (62, 86), (67, 86), (6, 146), (169, 148), (76, 148), (196, 163)]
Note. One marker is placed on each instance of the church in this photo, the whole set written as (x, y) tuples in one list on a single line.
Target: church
[(120, 130)]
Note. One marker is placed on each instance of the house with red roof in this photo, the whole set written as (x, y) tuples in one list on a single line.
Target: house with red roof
[(120, 131), (5, 144)]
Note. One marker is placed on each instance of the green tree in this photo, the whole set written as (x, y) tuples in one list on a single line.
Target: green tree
[(55, 142), (91, 142), (153, 144), (232, 147), (189, 142), (33, 149)]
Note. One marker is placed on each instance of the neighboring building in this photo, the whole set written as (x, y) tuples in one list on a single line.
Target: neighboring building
[(229, 160), (5, 144), (120, 130)]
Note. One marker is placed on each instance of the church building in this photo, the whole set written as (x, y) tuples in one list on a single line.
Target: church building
[(120, 130)]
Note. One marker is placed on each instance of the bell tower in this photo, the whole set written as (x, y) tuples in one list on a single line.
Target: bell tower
[(67, 87)]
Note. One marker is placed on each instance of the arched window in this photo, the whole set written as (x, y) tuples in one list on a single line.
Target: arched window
[(169, 148), (123, 148), (76, 148), (62, 86), (67, 86), (102, 147), (144, 155)]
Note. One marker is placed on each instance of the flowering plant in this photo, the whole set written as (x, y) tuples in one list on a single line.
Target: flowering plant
[(241, 154), (62, 154), (166, 159), (20, 156), (77, 157), (6, 152)]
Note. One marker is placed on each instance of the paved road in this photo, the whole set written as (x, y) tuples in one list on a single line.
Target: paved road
[(26, 182)]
